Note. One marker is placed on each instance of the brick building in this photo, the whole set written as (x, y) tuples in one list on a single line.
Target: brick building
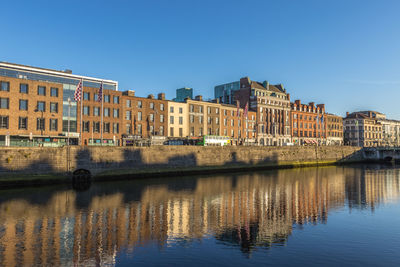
[(34, 105), (334, 129), (272, 104), (309, 123)]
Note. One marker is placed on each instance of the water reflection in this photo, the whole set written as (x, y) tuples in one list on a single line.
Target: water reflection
[(57, 226)]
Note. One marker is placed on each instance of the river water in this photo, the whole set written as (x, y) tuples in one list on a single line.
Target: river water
[(312, 216)]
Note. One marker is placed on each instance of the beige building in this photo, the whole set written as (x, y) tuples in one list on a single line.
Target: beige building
[(178, 119), (362, 129)]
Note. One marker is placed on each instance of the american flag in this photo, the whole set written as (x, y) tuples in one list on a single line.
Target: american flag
[(100, 96), (78, 91)]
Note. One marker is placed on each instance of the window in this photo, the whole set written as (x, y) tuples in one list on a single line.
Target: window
[(23, 88), (201, 110), (23, 104), (41, 90), (191, 131), (23, 123), (128, 115), (116, 100), (209, 110), (115, 127), (201, 119), (41, 106), (53, 124), (171, 109), (171, 131), (191, 109), (3, 122), (151, 117), (106, 98), (217, 110), (54, 107), (161, 118), (128, 128), (4, 103), (96, 111), (161, 130), (191, 118), (209, 120), (171, 119), (217, 121), (152, 129), (225, 122), (201, 131), (139, 104), (106, 112), (5, 86), (161, 106), (96, 127), (139, 129), (180, 132), (128, 103), (86, 96), (86, 110), (96, 97), (116, 113), (151, 105), (139, 116), (54, 92), (225, 112), (86, 126), (180, 110), (180, 120), (106, 127), (40, 124)]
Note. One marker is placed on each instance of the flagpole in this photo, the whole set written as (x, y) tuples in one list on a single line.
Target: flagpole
[(101, 123), (81, 111)]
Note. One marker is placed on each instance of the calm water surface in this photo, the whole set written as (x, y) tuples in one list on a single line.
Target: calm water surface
[(315, 216)]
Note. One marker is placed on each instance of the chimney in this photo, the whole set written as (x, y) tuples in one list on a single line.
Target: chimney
[(370, 114), (161, 96), (266, 85), (347, 114), (150, 96), (129, 93), (217, 100), (68, 71), (198, 98), (288, 97), (297, 102), (322, 107)]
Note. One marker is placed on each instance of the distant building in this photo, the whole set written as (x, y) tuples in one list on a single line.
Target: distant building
[(363, 129), (309, 123), (334, 129), (183, 93), (225, 92)]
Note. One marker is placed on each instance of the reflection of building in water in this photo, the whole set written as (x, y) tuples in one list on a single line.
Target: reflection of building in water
[(246, 210)]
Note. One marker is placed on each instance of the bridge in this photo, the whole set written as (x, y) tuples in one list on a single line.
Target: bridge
[(381, 153)]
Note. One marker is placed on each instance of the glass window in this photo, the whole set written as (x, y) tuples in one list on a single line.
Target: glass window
[(86, 96), (96, 111), (54, 107), (4, 103), (128, 128), (96, 127), (139, 104), (115, 127), (107, 98), (86, 110), (161, 106), (23, 104), (171, 119), (139, 116), (128, 115), (40, 124), (139, 129), (161, 118), (3, 122), (128, 103), (209, 110), (180, 120), (41, 90), (191, 109), (180, 110), (201, 109), (5, 86), (53, 124), (171, 109), (106, 112), (23, 88), (116, 100), (41, 106), (106, 127), (86, 126), (23, 123), (54, 92), (116, 113), (151, 117), (151, 105)]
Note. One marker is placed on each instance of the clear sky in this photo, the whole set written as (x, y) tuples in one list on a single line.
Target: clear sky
[(344, 53)]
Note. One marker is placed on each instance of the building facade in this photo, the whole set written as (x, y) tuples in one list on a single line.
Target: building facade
[(272, 105), (362, 129), (178, 117), (183, 93), (309, 123), (334, 133), (38, 107)]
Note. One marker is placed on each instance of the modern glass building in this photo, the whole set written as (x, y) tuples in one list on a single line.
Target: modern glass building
[(183, 93), (225, 92)]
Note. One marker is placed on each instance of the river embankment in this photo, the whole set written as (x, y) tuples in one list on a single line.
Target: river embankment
[(39, 166)]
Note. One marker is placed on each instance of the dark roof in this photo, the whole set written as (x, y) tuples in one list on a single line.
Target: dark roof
[(259, 85)]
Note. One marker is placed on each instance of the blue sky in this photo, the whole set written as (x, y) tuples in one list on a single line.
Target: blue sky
[(345, 54)]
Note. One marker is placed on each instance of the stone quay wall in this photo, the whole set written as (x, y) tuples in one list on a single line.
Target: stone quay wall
[(100, 160)]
